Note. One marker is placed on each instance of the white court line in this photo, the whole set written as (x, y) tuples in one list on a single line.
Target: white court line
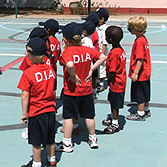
[(155, 62)]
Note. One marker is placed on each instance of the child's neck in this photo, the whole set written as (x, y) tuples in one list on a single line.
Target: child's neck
[(116, 45)]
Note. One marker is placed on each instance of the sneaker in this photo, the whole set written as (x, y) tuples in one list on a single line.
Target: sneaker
[(136, 117), (148, 113), (51, 164), (24, 134), (74, 132), (111, 129), (28, 165), (100, 88), (64, 148), (107, 122), (93, 143)]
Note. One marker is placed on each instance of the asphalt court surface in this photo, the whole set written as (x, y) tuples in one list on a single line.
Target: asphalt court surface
[(138, 144)]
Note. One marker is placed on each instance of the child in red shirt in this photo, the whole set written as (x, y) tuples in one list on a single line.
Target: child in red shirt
[(78, 97), (116, 74), (38, 102), (140, 69)]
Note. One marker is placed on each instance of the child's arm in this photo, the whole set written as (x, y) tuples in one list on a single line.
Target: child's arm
[(139, 64), (104, 47), (110, 76), (71, 70), (24, 101), (101, 59)]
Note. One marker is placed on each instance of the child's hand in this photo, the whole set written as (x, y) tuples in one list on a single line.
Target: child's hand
[(75, 79), (24, 119), (134, 77), (88, 78)]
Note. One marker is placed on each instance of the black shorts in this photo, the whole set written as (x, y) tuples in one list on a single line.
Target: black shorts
[(41, 129), (116, 99), (84, 105), (140, 91)]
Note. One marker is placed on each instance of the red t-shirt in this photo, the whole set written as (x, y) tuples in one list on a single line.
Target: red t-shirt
[(95, 40), (82, 57), (116, 62), (56, 50), (39, 80), (26, 63), (141, 50)]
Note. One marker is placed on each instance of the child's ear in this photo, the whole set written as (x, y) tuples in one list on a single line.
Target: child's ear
[(26, 53)]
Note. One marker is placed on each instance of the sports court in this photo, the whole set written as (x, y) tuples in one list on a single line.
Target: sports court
[(138, 144)]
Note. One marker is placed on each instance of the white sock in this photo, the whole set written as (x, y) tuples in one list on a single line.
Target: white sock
[(51, 159), (67, 141), (115, 121), (146, 108), (141, 113), (75, 126), (92, 136), (102, 83), (36, 164)]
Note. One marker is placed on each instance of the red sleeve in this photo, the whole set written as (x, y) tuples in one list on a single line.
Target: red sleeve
[(24, 83), (140, 49), (95, 54), (26, 63)]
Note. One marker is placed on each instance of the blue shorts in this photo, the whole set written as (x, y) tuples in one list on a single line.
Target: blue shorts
[(84, 105), (41, 129), (140, 91), (116, 99)]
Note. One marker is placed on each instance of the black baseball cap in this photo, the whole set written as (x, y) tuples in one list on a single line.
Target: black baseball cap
[(102, 12), (51, 24), (93, 17), (72, 29), (38, 46), (38, 32), (89, 27)]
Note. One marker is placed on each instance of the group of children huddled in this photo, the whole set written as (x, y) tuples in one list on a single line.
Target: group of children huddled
[(81, 58)]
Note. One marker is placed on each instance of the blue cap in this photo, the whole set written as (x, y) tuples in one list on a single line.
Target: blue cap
[(72, 29), (93, 17), (38, 32), (89, 27), (38, 46), (102, 12), (51, 24)]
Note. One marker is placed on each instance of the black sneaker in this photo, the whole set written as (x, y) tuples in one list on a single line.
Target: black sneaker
[(148, 113), (62, 147), (52, 164), (136, 117), (28, 165), (111, 129), (107, 122)]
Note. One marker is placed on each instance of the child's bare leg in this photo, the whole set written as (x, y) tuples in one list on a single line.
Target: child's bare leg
[(37, 153), (141, 109), (51, 150), (37, 156), (115, 116), (51, 153), (68, 127), (91, 126)]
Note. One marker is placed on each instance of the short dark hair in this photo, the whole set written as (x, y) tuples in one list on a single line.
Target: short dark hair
[(115, 33)]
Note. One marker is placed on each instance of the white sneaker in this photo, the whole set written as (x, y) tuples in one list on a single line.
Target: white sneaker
[(62, 147), (93, 143), (24, 134)]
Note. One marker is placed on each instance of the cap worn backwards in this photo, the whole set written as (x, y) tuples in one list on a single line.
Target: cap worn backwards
[(89, 27), (38, 32), (38, 46), (51, 24), (72, 29), (93, 17), (102, 12)]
